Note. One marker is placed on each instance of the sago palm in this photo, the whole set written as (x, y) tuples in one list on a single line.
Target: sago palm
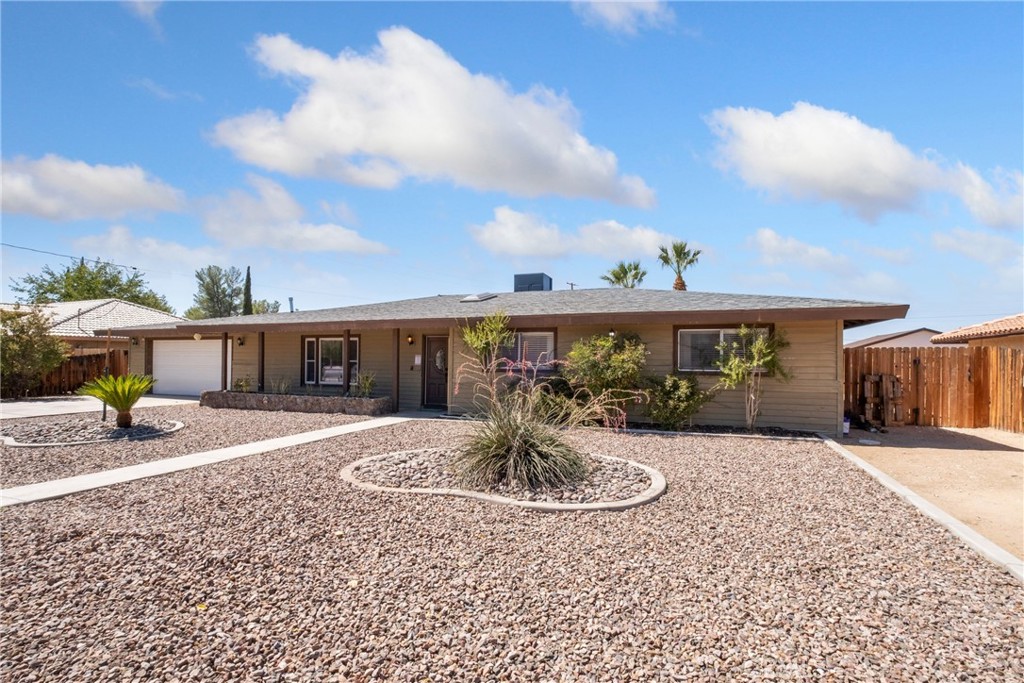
[(627, 275), (678, 258), (120, 393)]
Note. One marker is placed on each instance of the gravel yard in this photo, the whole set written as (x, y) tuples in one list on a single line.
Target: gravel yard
[(205, 429), (766, 560)]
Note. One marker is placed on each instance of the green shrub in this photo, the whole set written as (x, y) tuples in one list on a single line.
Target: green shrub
[(605, 363), (120, 393), (27, 350), (753, 356), (675, 400), (365, 382)]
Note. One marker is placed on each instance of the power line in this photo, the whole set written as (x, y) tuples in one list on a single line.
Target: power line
[(74, 258)]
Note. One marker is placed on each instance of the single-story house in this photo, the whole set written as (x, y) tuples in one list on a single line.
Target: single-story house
[(922, 336), (1005, 332), (77, 322), (414, 349)]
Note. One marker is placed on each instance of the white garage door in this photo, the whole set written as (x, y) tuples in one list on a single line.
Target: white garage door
[(187, 367)]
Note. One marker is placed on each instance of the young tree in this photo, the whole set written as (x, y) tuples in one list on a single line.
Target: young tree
[(264, 306), (219, 294), (751, 357), (84, 281), (247, 294), (626, 275), (678, 258), (27, 350)]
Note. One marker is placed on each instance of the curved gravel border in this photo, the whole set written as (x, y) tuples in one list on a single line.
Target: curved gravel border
[(175, 426), (652, 493)]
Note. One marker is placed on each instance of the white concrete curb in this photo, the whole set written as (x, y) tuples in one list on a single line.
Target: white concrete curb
[(972, 538), (59, 488), (9, 441), (652, 493)]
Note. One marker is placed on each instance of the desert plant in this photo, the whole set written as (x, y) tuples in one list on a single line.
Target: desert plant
[(678, 258), (605, 363), (243, 384), (752, 356), (27, 350), (365, 381), (675, 400), (625, 275), (280, 385), (120, 393)]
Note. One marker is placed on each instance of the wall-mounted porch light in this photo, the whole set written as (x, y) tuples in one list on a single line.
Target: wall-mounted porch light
[(197, 336), (135, 341), (241, 341), (410, 340), (611, 332)]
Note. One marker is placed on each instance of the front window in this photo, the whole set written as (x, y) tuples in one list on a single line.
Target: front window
[(324, 362), (534, 349), (698, 349)]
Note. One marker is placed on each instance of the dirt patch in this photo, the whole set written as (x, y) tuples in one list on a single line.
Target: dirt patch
[(976, 475)]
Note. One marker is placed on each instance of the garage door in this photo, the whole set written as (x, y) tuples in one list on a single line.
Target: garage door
[(187, 367)]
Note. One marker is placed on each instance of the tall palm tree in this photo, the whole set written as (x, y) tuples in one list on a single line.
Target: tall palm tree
[(679, 258), (627, 275)]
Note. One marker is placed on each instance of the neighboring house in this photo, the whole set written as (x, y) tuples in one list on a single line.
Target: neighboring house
[(76, 322), (414, 349), (922, 336), (1005, 332)]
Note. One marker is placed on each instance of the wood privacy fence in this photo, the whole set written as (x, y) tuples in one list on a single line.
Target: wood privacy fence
[(77, 370), (945, 387)]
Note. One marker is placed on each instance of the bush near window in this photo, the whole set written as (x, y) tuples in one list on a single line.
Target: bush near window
[(747, 361), (27, 350), (603, 364), (675, 400)]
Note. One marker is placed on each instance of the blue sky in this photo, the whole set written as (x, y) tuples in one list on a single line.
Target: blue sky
[(360, 152)]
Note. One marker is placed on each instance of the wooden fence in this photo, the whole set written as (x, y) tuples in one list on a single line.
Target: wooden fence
[(77, 370), (945, 387)]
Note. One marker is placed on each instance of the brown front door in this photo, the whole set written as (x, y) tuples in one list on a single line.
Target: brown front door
[(435, 373)]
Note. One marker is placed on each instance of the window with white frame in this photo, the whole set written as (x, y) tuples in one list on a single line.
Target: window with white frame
[(536, 349), (698, 350), (323, 362)]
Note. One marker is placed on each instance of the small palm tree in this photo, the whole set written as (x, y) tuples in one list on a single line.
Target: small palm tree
[(120, 393), (627, 275), (679, 258)]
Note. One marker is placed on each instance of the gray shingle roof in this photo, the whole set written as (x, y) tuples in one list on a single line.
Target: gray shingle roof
[(84, 318), (573, 306)]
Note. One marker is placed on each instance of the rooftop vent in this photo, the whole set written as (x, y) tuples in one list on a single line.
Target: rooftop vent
[(533, 282), (482, 296)]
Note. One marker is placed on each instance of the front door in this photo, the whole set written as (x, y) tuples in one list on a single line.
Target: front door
[(435, 373)]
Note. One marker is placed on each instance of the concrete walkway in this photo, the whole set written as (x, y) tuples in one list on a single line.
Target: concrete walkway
[(62, 487), (64, 405)]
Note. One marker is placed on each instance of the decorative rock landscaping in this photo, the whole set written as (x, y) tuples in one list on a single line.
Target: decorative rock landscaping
[(613, 483), (69, 432), (296, 403)]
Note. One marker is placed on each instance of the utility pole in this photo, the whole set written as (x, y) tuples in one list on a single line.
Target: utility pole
[(572, 285)]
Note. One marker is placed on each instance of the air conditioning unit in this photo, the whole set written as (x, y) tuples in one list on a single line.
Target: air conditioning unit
[(532, 282)]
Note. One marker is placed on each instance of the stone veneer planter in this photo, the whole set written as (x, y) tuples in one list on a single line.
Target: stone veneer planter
[(296, 403)]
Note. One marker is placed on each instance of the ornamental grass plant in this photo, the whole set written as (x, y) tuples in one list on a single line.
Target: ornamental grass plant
[(120, 393)]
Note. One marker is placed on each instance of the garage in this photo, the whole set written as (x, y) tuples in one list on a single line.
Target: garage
[(187, 367)]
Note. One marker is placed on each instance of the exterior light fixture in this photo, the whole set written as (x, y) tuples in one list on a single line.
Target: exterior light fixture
[(241, 341), (409, 340), (611, 333), (135, 341), (197, 336)]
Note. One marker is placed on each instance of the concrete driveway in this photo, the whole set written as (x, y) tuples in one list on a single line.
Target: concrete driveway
[(63, 405), (976, 475)]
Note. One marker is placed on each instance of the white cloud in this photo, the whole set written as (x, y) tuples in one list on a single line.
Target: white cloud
[(408, 109), (773, 250), (825, 155), (61, 189), (979, 246), (146, 11), (160, 92), (273, 219), (120, 244), (514, 233), (625, 17)]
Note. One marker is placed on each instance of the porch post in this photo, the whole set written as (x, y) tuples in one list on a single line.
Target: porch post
[(345, 370), (260, 358), (223, 361), (395, 353)]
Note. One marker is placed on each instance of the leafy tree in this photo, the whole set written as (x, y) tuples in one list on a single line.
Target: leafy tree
[(264, 306), (247, 294), (626, 275), (219, 294), (678, 258), (27, 350), (120, 393), (84, 281), (753, 356)]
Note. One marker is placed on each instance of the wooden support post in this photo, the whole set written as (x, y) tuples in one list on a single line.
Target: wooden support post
[(260, 360), (224, 361), (346, 370), (396, 350)]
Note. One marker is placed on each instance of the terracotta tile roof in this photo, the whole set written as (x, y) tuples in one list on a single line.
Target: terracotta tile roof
[(1013, 324), (580, 306)]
